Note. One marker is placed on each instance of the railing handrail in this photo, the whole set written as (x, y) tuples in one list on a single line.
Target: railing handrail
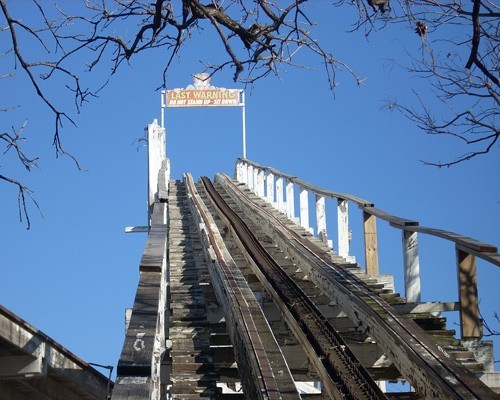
[(483, 250)]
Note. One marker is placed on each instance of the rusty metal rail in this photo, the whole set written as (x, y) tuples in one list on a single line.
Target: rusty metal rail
[(350, 377)]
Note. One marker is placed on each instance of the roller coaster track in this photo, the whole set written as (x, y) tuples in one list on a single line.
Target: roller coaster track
[(449, 380), (223, 222), (350, 378)]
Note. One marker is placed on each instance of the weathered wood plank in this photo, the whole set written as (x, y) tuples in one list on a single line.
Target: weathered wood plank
[(137, 351), (154, 253), (131, 388), (468, 298), (464, 241)]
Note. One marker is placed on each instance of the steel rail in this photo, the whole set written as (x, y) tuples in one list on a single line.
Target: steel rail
[(405, 332), (268, 387), (351, 378)]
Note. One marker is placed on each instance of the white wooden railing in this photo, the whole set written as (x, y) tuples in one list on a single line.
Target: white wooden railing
[(278, 189)]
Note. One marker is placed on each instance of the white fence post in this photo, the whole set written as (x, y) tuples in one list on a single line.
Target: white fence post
[(244, 173), (270, 188), (304, 208), (343, 227), (260, 183), (250, 181), (279, 194), (321, 218), (411, 266), (290, 203), (255, 180), (239, 172)]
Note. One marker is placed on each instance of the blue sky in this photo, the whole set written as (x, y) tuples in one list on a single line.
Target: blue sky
[(75, 271)]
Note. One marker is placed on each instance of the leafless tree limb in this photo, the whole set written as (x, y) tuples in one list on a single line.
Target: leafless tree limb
[(13, 142), (265, 37)]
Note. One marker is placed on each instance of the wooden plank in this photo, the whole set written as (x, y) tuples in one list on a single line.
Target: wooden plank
[(493, 258), (131, 388), (464, 241), (154, 253), (427, 307), (137, 351)]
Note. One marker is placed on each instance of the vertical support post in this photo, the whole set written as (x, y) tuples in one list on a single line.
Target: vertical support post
[(411, 266), (343, 227), (371, 245), (156, 155), (243, 117), (304, 208), (250, 181), (244, 173), (321, 218), (270, 188), (290, 203), (279, 194), (255, 180), (260, 183), (239, 172), (468, 296)]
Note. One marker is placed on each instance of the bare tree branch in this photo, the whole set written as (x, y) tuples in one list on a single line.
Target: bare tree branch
[(457, 53)]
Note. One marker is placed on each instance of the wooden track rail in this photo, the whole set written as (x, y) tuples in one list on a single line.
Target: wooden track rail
[(250, 333), (427, 366), (351, 379)]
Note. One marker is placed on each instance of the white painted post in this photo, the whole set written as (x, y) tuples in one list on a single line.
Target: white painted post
[(239, 172), (279, 194), (244, 173), (260, 183), (250, 181), (343, 227), (321, 218), (304, 208), (290, 203), (270, 188), (411, 267), (255, 180), (156, 155)]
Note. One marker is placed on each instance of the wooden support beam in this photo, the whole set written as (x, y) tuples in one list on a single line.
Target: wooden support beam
[(468, 296), (371, 243), (428, 307)]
